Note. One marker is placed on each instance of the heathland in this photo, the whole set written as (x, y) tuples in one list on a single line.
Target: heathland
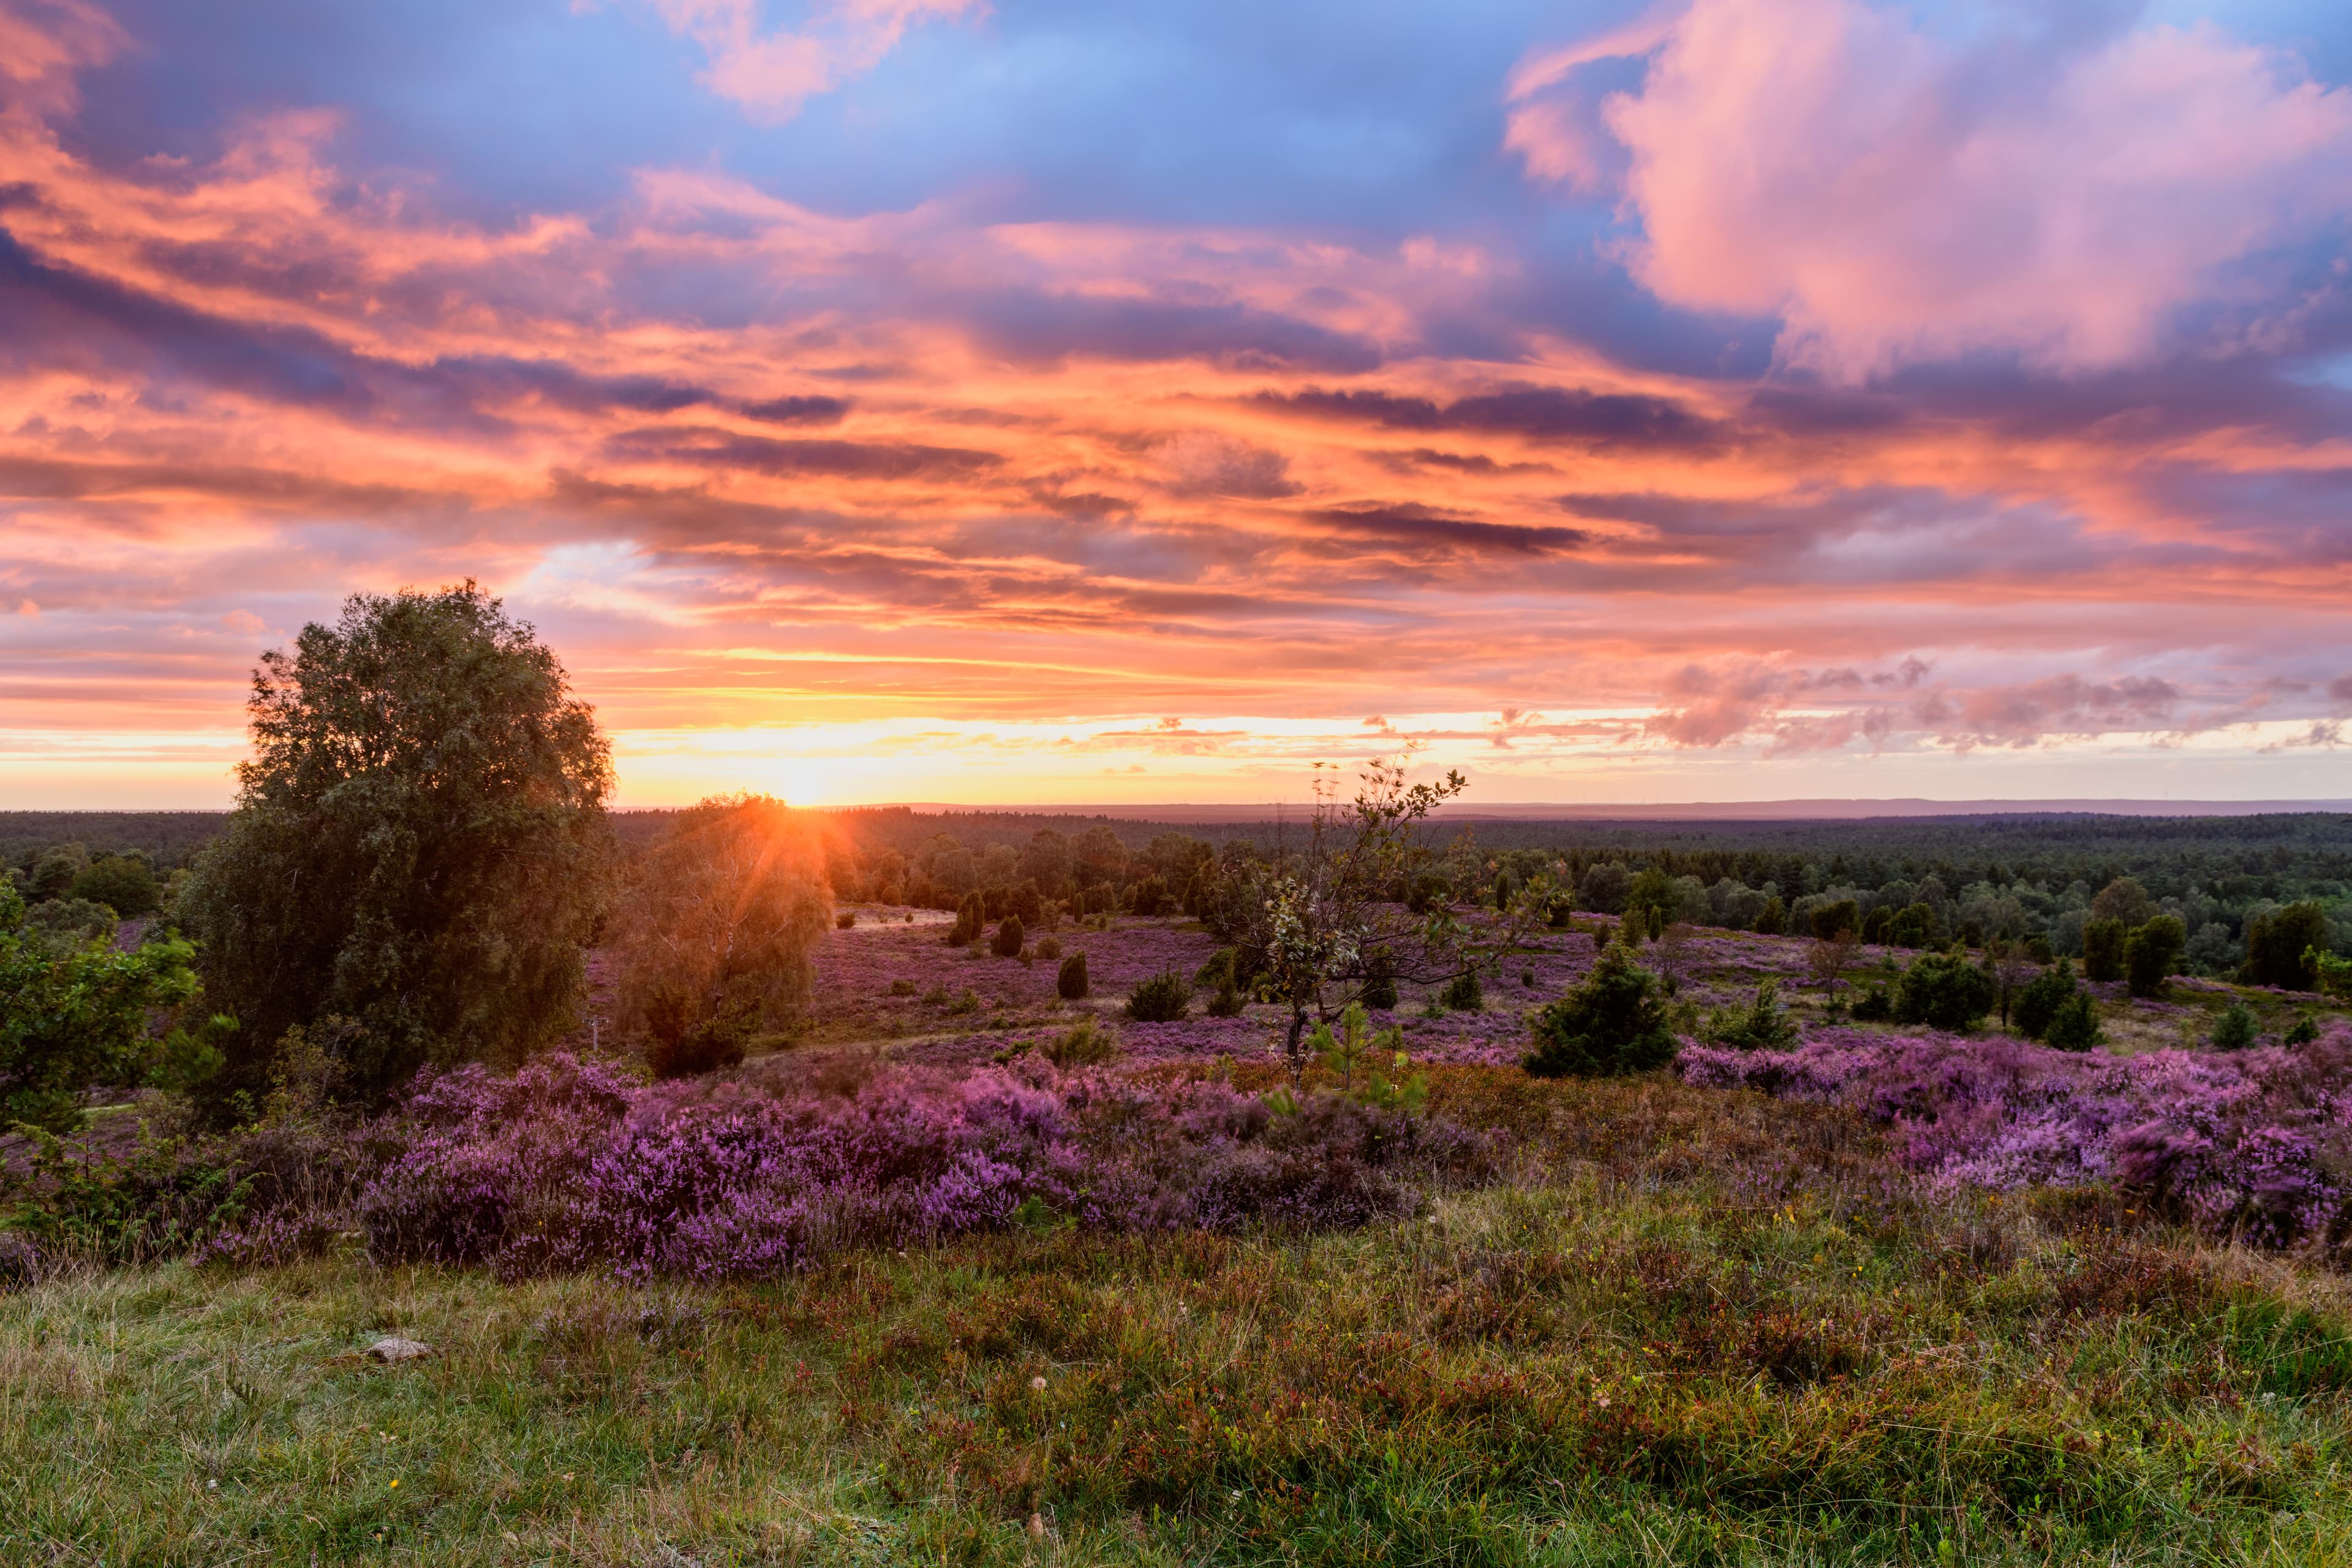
[(422, 1164)]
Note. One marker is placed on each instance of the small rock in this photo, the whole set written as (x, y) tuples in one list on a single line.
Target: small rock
[(391, 1348)]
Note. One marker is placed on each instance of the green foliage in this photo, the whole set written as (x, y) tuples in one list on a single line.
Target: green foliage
[(2123, 899), (73, 1016), (2152, 952), (1829, 920), (1874, 1006), (1380, 984), (1371, 1068), (54, 872), (1086, 1043), (1427, 891), (2305, 1029), (2103, 950), (1614, 1022), (2041, 997), (69, 922), (1009, 937), (1161, 998), (714, 942), (1773, 918), (1048, 949), (1070, 979), (679, 1047), (123, 883), (1463, 993), (1763, 1025), (845, 920), (419, 844), (1226, 1001), (2328, 973), (1604, 888), (1944, 991), (2074, 1027), (2277, 942), (1914, 925), (972, 918), (2235, 1029)]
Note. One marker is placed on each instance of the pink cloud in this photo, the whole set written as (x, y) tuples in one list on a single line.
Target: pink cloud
[(1893, 196), (770, 73)]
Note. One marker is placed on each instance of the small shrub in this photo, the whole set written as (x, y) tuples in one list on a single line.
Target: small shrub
[(1070, 981), (1380, 986), (937, 996), (1009, 937), (2305, 1030), (1773, 918), (844, 920), (1083, 1044), (968, 1002), (902, 987), (971, 917), (705, 1046), (1944, 991), (1463, 993), (2074, 1027), (1763, 1026), (1162, 998), (1528, 978), (1228, 1001), (2039, 1002), (1875, 1005), (1615, 1022), (1049, 948), (2235, 1029)]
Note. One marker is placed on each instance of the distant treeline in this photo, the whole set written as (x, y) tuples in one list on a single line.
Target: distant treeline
[(1974, 875)]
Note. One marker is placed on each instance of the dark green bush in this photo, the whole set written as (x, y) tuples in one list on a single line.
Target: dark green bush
[(2152, 952), (1009, 937), (1463, 993), (971, 917), (123, 883), (1070, 982), (1773, 918), (845, 920), (2038, 1002), (2275, 944), (1913, 925), (2305, 1030), (1831, 918), (1944, 991), (703, 1047), (1615, 1022), (2076, 1026), (1763, 1025), (1162, 998), (2235, 1029), (1427, 892), (1228, 1001), (2103, 950)]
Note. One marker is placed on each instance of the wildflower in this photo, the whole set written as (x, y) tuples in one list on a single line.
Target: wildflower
[(1038, 1384)]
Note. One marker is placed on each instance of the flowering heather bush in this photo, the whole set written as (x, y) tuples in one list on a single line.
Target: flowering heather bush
[(568, 1164), (2251, 1143)]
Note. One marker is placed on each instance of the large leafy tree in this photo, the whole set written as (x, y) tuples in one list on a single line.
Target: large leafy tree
[(419, 846)]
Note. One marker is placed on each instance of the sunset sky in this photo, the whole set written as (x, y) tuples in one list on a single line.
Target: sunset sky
[(1084, 401)]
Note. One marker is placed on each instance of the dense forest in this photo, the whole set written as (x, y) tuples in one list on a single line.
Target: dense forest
[(1973, 876)]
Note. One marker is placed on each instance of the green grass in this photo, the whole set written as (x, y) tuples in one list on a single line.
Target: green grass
[(1696, 1329)]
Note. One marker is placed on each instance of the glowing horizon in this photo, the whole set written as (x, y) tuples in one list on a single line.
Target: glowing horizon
[(1019, 405)]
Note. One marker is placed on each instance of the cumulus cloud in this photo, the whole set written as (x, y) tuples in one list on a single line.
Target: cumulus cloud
[(1895, 197), (771, 73)]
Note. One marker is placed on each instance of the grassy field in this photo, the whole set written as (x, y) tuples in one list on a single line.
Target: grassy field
[(1699, 1327)]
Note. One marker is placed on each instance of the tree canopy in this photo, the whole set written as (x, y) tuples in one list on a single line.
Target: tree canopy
[(419, 844)]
